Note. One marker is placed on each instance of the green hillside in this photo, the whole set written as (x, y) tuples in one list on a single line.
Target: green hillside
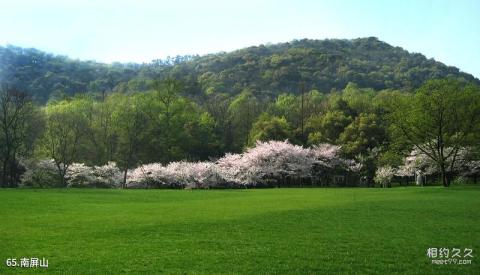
[(266, 70)]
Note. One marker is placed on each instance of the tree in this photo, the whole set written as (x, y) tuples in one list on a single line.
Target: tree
[(266, 162), (198, 139), (384, 176), (443, 113), (328, 158), (417, 161), (66, 125), (363, 134), (101, 138), (176, 174), (314, 102), (359, 100), (217, 107), (20, 125), (287, 106), (328, 127), (167, 92), (269, 127), (243, 110), (130, 125)]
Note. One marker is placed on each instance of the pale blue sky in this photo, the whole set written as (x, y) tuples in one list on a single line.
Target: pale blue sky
[(140, 31)]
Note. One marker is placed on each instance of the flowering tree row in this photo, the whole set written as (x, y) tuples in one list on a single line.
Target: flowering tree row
[(266, 163)]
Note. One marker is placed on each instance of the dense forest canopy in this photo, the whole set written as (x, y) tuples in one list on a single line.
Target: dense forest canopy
[(265, 70)]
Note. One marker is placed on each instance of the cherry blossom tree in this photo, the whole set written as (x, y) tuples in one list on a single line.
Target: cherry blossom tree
[(439, 119), (266, 162), (328, 161), (328, 156), (384, 176), (233, 169), (419, 161), (473, 170), (176, 174), (148, 175), (108, 175), (81, 175), (40, 173)]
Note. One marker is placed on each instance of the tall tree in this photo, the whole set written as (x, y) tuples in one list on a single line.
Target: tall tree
[(443, 113), (16, 132), (328, 127), (243, 110), (268, 128), (130, 125), (363, 134), (217, 106), (66, 125)]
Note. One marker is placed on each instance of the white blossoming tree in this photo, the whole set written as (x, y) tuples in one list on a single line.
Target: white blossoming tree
[(384, 176), (81, 175), (418, 163), (267, 162), (328, 161), (41, 173), (108, 175), (176, 174)]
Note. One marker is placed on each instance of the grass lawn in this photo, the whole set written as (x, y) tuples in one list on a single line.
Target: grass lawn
[(297, 231)]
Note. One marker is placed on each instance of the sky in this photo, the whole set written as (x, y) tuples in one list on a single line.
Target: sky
[(143, 30)]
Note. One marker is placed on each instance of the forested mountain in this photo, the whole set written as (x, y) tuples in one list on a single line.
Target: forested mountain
[(321, 64), (265, 70), (43, 75)]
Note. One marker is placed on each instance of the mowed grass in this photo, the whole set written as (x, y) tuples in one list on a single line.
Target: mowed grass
[(295, 231)]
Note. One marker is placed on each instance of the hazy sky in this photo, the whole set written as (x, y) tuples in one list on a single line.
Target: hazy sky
[(140, 31)]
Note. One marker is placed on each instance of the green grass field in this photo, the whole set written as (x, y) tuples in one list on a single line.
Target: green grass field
[(297, 231)]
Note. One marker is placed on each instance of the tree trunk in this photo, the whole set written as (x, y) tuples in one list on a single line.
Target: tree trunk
[(449, 176), (124, 183), (64, 175), (4, 174), (13, 174), (443, 175), (62, 179), (61, 174)]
